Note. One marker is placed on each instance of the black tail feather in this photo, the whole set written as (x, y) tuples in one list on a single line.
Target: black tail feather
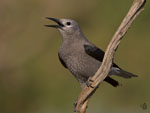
[(111, 81)]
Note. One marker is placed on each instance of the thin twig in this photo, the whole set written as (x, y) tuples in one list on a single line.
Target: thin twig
[(104, 69)]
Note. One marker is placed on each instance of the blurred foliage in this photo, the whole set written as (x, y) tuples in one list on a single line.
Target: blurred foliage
[(33, 81)]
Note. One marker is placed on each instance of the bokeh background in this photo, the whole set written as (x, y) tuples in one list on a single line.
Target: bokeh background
[(32, 79)]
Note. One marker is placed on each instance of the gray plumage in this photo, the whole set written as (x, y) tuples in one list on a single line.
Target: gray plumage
[(81, 57)]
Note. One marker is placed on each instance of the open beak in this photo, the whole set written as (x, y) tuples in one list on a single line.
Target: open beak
[(60, 25)]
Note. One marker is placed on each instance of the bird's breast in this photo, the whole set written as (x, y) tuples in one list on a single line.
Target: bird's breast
[(79, 63)]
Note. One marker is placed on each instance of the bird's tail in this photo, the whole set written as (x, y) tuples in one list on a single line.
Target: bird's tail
[(124, 74), (112, 81)]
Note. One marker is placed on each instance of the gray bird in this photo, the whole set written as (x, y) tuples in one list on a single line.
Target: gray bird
[(80, 56)]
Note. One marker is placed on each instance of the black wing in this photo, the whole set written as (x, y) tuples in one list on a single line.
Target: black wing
[(61, 60), (96, 53)]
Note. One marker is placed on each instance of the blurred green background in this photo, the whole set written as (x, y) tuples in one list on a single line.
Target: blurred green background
[(32, 79)]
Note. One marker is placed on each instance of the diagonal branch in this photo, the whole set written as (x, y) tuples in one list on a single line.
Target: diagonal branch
[(103, 71)]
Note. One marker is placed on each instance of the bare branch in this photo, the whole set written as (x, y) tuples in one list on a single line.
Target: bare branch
[(104, 69)]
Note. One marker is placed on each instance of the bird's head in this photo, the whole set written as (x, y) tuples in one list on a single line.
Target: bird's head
[(65, 26)]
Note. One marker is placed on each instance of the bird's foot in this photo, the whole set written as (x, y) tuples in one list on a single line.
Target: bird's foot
[(88, 82)]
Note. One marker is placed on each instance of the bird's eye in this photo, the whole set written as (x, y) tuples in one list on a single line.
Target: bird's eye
[(68, 23)]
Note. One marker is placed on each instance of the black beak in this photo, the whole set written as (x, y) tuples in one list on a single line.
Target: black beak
[(60, 25)]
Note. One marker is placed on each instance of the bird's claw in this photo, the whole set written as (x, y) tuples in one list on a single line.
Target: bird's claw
[(88, 83)]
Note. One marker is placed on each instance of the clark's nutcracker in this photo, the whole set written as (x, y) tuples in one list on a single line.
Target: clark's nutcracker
[(80, 56)]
